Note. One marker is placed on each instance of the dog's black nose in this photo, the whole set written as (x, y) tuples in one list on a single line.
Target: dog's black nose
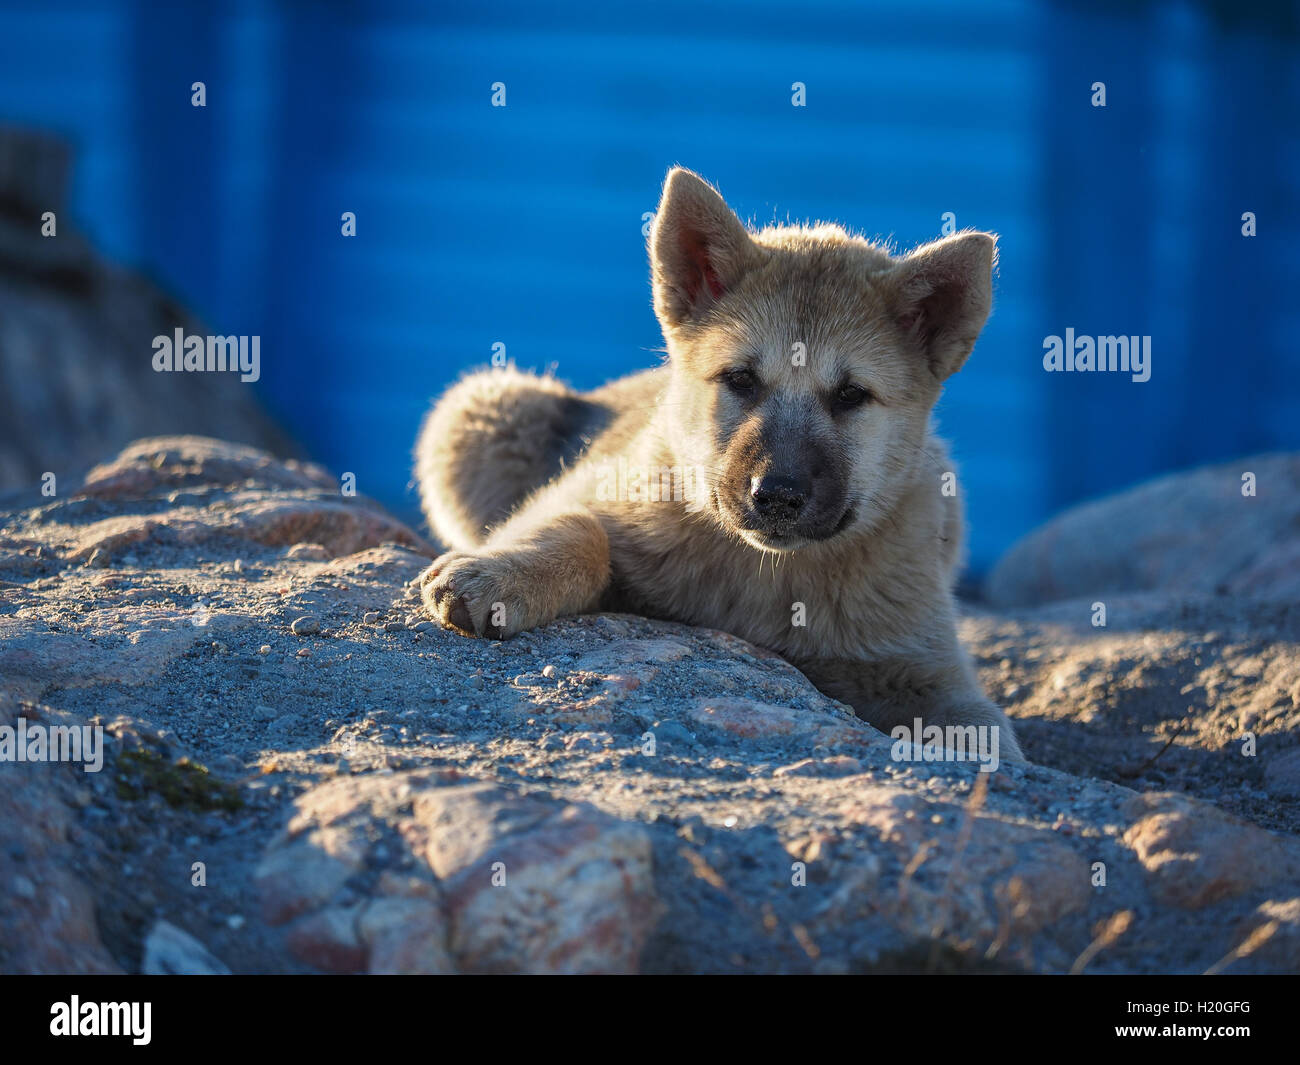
[(778, 498)]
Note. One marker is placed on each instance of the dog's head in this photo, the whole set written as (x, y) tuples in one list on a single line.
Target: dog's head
[(805, 361)]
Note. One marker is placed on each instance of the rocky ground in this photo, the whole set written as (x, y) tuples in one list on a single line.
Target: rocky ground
[(303, 774)]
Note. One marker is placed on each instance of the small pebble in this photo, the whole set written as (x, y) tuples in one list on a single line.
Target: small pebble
[(305, 653), (394, 626), (98, 559), (305, 626), (372, 617), (549, 671), (265, 649)]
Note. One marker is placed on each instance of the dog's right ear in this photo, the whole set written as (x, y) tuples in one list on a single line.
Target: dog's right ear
[(698, 248)]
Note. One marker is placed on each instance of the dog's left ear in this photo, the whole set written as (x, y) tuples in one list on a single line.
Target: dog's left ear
[(941, 296)]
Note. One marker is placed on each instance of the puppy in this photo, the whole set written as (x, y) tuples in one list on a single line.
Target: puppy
[(778, 478)]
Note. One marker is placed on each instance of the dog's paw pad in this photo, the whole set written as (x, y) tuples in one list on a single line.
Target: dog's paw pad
[(456, 613)]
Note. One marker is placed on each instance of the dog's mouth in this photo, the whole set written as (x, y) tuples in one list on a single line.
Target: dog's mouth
[(781, 537)]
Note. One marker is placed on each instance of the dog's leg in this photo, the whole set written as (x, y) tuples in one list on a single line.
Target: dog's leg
[(898, 691), (542, 564)]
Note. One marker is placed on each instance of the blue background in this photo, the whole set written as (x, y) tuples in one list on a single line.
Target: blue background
[(523, 224)]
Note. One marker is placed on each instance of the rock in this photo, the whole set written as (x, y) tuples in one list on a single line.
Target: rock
[(447, 805), (76, 341), (511, 883), (305, 626), (674, 734), (406, 936), (579, 881), (304, 872), (52, 927), (1282, 774), (263, 500), (839, 766), (753, 720), (170, 952), (1195, 855), (1193, 532), (329, 939)]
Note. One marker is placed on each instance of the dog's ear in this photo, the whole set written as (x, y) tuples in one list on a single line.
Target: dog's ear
[(698, 248), (941, 296)]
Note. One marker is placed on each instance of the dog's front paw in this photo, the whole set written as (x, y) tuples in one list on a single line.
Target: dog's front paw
[(477, 595)]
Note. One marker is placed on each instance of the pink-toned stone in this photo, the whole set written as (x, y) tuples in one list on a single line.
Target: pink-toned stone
[(749, 719), (329, 939), (523, 883), (1196, 855), (406, 936)]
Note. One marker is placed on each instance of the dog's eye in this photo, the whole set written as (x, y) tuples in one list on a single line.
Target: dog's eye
[(850, 396), (741, 382)]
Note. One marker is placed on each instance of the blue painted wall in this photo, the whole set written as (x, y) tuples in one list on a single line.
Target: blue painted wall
[(523, 224)]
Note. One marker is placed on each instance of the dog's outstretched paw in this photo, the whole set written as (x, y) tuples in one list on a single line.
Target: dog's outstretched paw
[(475, 595)]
